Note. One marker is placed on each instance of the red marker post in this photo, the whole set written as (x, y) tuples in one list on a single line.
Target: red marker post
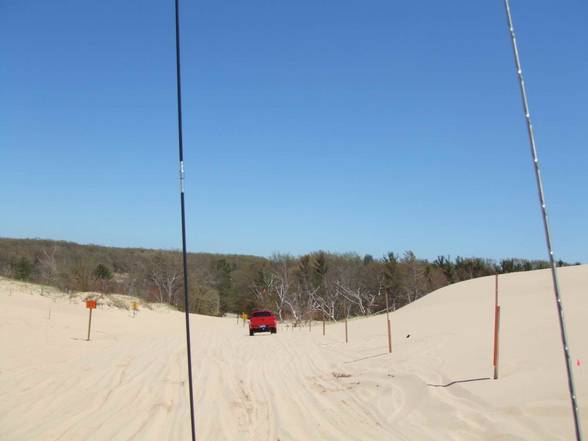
[(496, 330), (90, 304), (496, 340)]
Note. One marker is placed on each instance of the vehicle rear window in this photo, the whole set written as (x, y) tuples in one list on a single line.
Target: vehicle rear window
[(262, 314)]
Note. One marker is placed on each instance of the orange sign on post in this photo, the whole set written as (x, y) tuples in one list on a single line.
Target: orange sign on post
[(90, 304)]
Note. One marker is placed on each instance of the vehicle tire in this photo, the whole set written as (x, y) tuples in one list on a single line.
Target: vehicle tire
[(251, 333), (273, 330)]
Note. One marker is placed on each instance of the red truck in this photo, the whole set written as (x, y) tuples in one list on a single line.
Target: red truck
[(262, 320)]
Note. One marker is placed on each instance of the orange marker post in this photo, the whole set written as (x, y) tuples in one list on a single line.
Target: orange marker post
[(496, 340), (496, 291), (496, 330), (90, 304)]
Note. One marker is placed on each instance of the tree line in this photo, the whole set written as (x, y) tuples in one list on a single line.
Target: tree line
[(316, 285)]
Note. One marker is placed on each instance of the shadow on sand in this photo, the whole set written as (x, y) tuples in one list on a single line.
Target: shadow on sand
[(366, 358), (458, 381)]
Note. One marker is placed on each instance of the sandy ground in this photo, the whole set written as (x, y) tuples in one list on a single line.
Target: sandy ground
[(129, 381)]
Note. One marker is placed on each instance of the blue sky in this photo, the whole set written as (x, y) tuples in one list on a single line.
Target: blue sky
[(366, 126)]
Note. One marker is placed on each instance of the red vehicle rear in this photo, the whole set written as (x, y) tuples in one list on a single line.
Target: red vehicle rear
[(262, 321)]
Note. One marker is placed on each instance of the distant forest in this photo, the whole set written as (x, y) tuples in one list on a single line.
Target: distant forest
[(316, 285)]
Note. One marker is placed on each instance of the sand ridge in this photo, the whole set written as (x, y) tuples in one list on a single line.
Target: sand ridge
[(129, 381)]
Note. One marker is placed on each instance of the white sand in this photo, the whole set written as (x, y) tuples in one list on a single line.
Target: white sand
[(129, 381)]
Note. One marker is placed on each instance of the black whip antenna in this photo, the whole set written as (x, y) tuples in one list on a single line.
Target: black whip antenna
[(182, 203)]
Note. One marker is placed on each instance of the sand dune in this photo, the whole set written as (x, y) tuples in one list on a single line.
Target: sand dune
[(129, 381)]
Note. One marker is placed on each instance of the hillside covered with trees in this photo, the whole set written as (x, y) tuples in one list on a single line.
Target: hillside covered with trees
[(317, 285)]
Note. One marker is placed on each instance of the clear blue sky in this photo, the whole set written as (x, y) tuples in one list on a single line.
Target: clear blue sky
[(363, 126)]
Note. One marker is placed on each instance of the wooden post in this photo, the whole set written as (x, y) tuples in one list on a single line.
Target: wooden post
[(388, 324), (496, 340), (89, 323), (346, 333), (389, 338), (323, 326), (310, 325), (49, 313)]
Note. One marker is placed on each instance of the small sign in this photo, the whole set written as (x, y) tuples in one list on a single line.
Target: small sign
[(135, 306), (91, 304)]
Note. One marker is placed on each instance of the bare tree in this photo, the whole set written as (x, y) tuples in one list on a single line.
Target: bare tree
[(364, 299), (272, 285), (48, 264), (413, 280), (302, 297), (355, 284), (263, 286), (281, 268), (82, 276), (203, 298), (166, 276)]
